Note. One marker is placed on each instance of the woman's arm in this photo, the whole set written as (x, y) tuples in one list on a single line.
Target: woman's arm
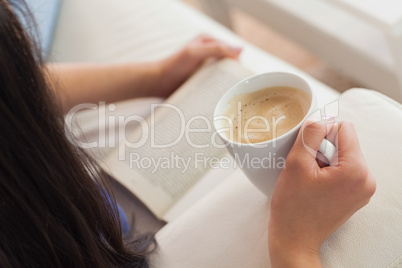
[(311, 201), (79, 83)]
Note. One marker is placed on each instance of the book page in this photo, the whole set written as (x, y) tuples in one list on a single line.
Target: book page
[(174, 148), (211, 179)]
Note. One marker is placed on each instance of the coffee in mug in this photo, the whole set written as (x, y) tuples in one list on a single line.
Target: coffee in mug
[(266, 114)]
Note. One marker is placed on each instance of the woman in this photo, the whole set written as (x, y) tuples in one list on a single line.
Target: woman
[(54, 210), (52, 213)]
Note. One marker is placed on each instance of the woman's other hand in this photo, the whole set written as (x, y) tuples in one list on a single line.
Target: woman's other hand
[(178, 67), (310, 202)]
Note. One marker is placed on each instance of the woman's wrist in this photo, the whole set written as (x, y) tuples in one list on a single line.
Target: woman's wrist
[(292, 254), (284, 257), (145, 79), (171, 73)]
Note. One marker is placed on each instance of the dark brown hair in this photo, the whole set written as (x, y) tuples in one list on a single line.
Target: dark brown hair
[(53, 206)]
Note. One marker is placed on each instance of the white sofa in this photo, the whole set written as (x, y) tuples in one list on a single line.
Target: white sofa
[(228, 228), (360, 38)]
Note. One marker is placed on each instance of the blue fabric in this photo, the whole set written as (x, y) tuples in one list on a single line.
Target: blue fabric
[(125, 226), (46, 14)]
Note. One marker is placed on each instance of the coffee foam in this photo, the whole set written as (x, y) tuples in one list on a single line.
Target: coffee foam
[(265, 114)]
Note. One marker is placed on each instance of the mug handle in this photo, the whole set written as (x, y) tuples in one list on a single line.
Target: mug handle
[(327, 149)]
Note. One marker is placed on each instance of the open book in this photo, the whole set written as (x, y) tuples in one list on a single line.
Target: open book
[(175, 157)]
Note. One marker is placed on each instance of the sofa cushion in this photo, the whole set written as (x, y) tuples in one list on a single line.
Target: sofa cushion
[(138, 30)]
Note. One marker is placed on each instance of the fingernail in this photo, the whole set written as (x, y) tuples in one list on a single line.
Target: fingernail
[(237, 49), (329, 118)]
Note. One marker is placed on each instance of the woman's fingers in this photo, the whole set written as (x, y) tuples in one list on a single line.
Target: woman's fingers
[(205, 46), (308, 141)]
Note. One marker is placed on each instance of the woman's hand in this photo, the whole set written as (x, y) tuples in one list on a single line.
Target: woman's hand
[(178, 67), (79, 83), (309, 202)]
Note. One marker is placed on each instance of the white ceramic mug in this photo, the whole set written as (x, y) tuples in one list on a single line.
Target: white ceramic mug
[(263, 162)]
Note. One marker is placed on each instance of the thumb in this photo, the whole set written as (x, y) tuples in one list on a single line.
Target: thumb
[(309, 139), (215, 49)]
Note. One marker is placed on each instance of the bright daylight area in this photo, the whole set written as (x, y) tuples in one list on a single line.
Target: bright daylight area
[(201, 133)]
